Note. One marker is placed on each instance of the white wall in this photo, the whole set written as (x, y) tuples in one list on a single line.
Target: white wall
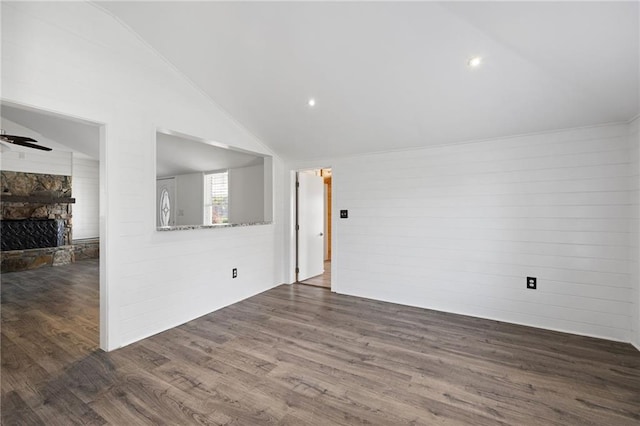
[(459, 228), (246, 194), (74, 59), (634, 144), (86, 190), (190, 199)]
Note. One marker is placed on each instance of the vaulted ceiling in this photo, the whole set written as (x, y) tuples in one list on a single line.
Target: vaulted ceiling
[(62, 133), (394, 75)]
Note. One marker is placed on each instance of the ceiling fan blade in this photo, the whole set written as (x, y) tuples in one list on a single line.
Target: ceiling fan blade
[(14, 138), (30, 145), (22, 141)]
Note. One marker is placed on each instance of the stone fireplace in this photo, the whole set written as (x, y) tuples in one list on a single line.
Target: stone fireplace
[(36, 220)]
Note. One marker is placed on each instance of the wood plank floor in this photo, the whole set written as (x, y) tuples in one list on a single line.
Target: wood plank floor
[(322, 280), (298, 355)]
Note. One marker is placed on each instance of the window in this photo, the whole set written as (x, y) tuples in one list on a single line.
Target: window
[(217, 197)]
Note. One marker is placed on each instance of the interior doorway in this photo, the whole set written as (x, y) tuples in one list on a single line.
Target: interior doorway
[(313, 227), (66, 183)]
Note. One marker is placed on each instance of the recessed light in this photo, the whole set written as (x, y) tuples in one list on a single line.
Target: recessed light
[(312, 102), (474, 62)]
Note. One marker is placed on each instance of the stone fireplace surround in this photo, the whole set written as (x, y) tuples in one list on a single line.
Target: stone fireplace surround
[(37, 196)]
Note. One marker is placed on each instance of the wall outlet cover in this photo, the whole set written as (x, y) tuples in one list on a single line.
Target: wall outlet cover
[(532, 283), (344, 214)]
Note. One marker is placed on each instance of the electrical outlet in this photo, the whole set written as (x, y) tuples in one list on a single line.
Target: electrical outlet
[(344, 214), (234, 273), (532, 283)]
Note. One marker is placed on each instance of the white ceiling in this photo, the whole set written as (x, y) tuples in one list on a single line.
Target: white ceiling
[(178, 155), (390, 75), (61, 133)]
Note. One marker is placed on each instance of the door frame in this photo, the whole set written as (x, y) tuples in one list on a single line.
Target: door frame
[(290, 268), (106, 317)]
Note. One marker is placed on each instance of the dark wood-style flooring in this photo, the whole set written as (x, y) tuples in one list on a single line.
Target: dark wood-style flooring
[(322, 280), (298, 355)]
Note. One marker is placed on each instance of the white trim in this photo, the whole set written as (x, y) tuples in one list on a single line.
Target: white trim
[(108, 322), (290, 232)]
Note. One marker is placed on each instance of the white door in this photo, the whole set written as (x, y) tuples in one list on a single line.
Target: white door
[(311, 225), (165, 201)]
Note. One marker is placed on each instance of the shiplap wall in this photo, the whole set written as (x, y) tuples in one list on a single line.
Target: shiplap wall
[(86, 190), (458, 229), (634, 145), (74, 59), (32, 161)]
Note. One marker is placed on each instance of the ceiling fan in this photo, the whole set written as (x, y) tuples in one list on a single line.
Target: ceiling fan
[(22, 141)]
